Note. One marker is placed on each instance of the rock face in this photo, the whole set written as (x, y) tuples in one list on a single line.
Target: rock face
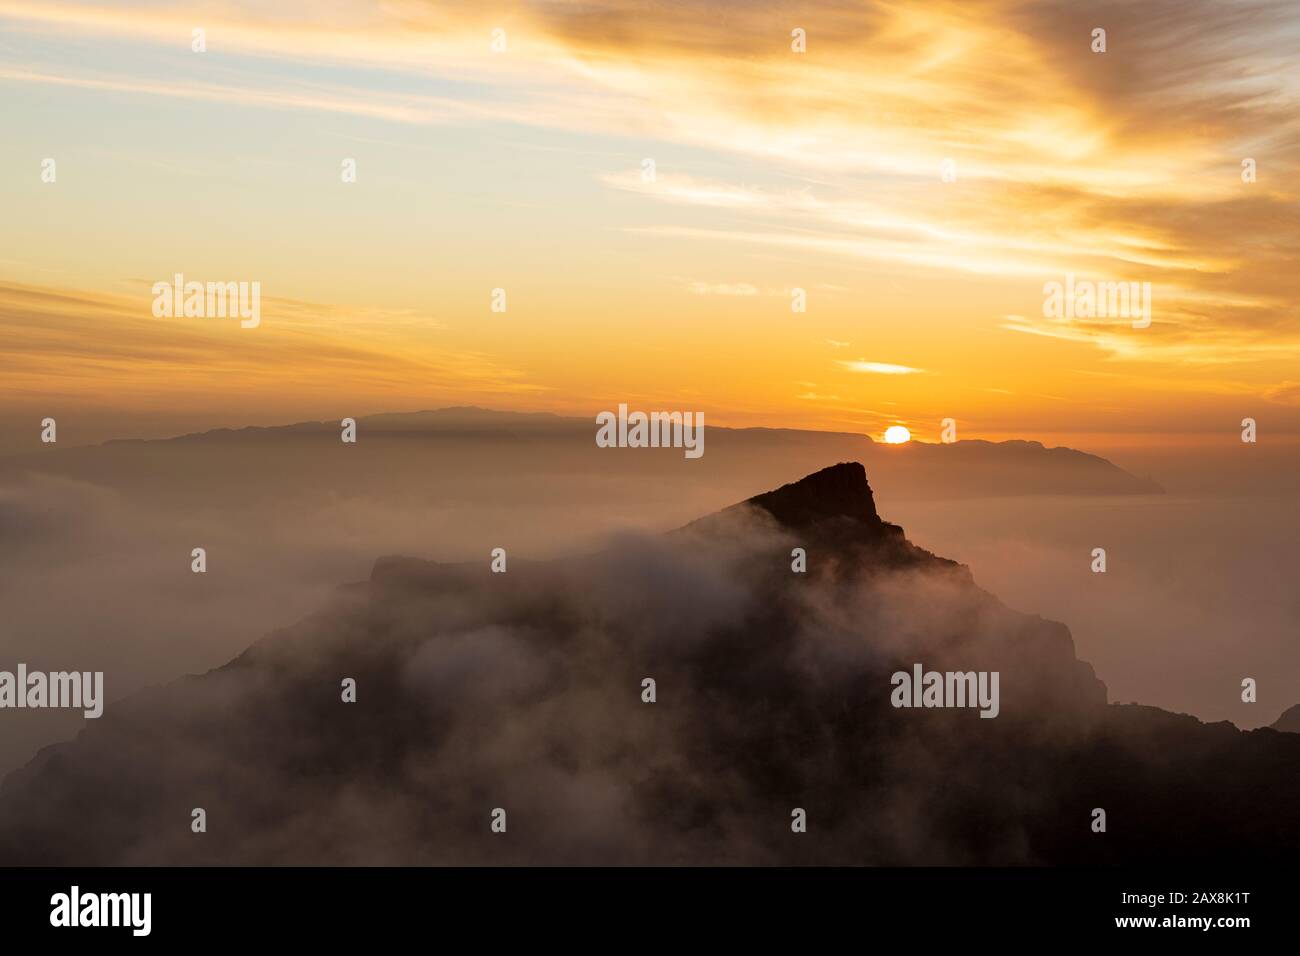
[(832, 494), (1289, 722), (669, 700)]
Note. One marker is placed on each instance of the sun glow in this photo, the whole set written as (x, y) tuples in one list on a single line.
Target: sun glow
[(897, 435)]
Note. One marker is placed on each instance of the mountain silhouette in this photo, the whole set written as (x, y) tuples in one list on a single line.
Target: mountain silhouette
[(406, 454), (1289, 722), (526, 692), (834, 493)]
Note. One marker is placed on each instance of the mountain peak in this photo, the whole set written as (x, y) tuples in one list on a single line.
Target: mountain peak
[(840, 491)]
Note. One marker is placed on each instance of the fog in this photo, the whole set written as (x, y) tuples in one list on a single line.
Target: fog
[(524, 691), (95, 546)]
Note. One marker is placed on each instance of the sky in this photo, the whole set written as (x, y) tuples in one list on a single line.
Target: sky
[(917, 175)]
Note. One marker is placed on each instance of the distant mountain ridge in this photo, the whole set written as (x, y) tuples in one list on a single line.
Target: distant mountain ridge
[(452, 418), (1289, 722), (966, 468)]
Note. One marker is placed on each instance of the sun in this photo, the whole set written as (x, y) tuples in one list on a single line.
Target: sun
[(897, 435)]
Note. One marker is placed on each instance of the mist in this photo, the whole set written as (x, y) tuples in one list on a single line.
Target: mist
[(95, 544)]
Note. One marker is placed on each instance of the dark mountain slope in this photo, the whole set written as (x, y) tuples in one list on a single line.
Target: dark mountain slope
[(523, 691)]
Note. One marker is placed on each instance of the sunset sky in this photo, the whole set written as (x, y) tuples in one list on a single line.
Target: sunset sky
[(774, 170)]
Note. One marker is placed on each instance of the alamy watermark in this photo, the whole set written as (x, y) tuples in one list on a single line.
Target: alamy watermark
[(923, 688), (82, 690), (1085, 299), (210, 300), (75, 908), (651, 430)]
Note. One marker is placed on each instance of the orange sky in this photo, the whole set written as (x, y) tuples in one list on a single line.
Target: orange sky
[(774, 171)]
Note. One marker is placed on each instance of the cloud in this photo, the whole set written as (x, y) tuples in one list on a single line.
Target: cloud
[(812, 396), (878, 368), (1287, 393), (527, 696), (723, 288), (69, 339), (1123, 165)]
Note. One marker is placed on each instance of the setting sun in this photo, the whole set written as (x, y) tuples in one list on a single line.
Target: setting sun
[(897, 435)]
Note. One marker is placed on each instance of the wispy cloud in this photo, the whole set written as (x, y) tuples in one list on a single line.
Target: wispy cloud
[(723, 288), (67, 341), (1125, 165), (879, 368)]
